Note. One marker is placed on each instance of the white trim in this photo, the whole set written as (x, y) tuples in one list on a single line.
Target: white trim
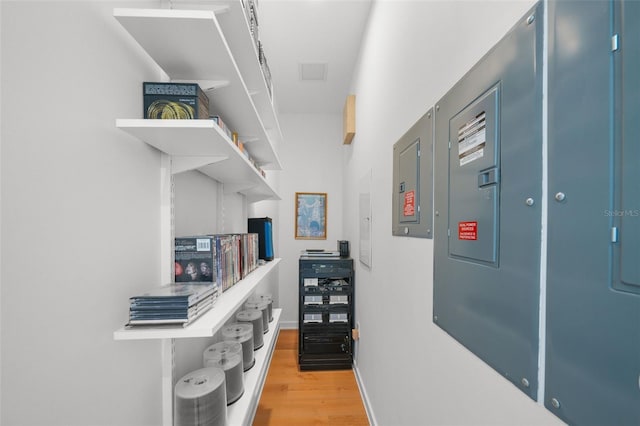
[(544, 214), (368, 407), (288, 325)]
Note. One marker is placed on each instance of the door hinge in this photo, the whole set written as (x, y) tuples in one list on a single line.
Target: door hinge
[(614, 234), (449, 144), (448, 232), (615, 43)]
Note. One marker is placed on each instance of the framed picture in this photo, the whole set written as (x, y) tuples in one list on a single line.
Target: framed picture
[(311, 216)]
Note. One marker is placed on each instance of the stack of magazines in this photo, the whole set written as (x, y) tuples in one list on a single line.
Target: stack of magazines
[(176, 303)]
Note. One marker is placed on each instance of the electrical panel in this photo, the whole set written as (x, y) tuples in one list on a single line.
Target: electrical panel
[(592, 358), (488, 173), (413, 180)]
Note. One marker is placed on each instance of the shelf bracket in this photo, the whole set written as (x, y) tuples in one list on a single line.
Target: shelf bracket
[(168, 373), (185, 164), (248, 139), (206, 85), (189, 4), (220, 9), (241, 187)]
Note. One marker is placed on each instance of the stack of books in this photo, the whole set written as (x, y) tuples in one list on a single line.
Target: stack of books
[(176, 303)]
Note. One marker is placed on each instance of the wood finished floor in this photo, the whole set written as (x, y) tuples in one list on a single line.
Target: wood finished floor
[(300, 398)]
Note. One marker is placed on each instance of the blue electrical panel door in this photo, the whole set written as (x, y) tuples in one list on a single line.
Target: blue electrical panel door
[(488, 162), (593, 278)]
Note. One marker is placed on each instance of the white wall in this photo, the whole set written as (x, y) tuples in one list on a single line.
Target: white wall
[(80, 218), (0, 217), (311, 156), (413, 373), (196, 199)]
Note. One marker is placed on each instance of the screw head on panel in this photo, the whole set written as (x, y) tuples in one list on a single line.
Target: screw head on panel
[(555, 403), (530, 19), (560, 196), (437, 213), (529, 202), (435, 318), (525, 382)]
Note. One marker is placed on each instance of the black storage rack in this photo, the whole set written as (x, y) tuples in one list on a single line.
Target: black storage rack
[(326, 313)]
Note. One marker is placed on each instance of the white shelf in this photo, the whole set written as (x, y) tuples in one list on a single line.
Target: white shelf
[(234, 24), (209, 323), (244, 409), (202, 145), (189, 46)]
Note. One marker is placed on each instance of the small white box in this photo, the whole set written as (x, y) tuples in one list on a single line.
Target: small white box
[(311, 318)]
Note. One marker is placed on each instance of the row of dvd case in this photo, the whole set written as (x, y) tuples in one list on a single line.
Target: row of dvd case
[(251, 12), (223, 258)]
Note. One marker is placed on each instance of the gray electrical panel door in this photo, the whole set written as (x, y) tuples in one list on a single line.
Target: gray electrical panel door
[(488, 162), (474, 181), (409, 176), (593, 302), (413, 180), (627, 64)]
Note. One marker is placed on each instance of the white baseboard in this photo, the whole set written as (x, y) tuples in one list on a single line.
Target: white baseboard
[(288, 325), (365, 397)]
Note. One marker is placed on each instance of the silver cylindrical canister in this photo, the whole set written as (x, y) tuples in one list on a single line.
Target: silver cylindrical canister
[(241, 332), (253, 316)]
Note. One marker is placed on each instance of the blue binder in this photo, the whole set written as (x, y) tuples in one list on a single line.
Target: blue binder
[(264, 228)]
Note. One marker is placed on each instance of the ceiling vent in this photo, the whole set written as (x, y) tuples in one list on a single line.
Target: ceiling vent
[(313, 72)]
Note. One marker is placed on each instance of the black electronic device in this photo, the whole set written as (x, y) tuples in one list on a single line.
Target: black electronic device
[(343, 248)]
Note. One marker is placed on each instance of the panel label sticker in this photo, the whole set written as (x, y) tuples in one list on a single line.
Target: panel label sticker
[(472, 138), (468, 231), (409, 203)]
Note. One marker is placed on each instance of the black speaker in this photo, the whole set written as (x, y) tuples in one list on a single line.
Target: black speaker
[(343, 248)]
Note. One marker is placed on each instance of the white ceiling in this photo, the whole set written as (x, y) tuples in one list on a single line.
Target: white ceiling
[(312, 31)]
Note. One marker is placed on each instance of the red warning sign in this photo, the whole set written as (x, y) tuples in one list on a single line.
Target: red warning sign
[(468, 231), (409, 203)]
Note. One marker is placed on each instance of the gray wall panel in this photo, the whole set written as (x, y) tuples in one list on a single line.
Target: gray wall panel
[(491, 304), (412, 197), (627, 67), (593, 330)]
